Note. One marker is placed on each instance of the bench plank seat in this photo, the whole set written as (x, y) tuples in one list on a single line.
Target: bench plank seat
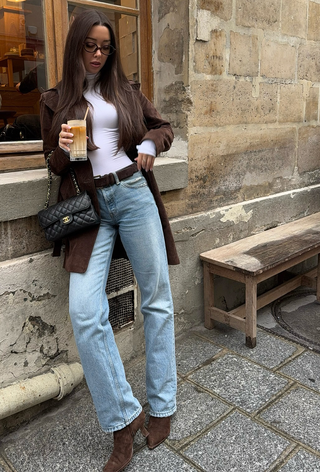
[(256, 258)]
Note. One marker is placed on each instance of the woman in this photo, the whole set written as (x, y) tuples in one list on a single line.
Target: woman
[(125, 133)]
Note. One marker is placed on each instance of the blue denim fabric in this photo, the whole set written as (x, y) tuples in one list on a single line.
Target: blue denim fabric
[(127, 207)]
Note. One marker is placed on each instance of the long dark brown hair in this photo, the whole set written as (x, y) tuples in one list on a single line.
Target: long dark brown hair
[(114, 86)]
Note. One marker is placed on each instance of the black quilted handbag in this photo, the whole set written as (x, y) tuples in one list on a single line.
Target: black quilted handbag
[(68, 216)]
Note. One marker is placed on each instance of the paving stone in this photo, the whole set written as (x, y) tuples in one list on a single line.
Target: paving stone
[(302, 462), (192, 351), (237, 444), (305, 369), (270, 351), (68, 438), (5, 464), (159, 459), (298, 414), (196, 409), (1, 468), (244, 384)]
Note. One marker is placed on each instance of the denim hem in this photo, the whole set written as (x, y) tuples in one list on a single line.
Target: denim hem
[(163, 414), (123, 425)]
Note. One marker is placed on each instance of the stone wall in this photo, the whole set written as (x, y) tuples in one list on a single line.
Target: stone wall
[(242, 90), (251, 98)]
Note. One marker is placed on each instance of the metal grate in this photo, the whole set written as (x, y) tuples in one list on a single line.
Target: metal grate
[(121, 310), (120, 276), (120, 290)]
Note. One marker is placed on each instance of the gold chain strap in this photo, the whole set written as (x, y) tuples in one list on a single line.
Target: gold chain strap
[(74, 180), (49, 180)]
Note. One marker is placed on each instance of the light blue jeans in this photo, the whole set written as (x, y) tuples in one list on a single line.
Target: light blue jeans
[(127, 207)]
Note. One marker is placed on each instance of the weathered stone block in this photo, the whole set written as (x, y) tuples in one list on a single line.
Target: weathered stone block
[(222, 9), (20, 237), (226, 102), (205, 24), (38, 332), (309, 149), (244, 54), (278, 60), (291, 103), (309, 62), (312, 104), (314, 21), (263, 14), (294, 18), (176, 105), (210, 56), (176, 203), (233, 163), (175, 7), (171, 48)]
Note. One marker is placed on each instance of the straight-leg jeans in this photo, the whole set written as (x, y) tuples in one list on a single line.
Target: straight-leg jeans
[(128, 207)]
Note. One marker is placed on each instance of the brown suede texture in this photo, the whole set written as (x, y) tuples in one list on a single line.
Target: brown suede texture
[(78, 248), (123, 444), (159, 430)]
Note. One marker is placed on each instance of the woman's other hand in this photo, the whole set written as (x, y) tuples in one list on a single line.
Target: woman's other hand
[(65, 137), (145, 161)]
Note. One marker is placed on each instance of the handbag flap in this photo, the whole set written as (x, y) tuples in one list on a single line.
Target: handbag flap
[(60, 210)]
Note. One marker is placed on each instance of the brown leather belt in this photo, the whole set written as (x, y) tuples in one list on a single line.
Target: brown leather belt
[(108, 179)]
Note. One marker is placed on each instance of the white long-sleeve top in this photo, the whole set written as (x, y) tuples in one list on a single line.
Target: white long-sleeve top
[(105, 133)]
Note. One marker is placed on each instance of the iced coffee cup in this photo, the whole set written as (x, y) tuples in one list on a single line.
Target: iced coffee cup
[(78, 149)]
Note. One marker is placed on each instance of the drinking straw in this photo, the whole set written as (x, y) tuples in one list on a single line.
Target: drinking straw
[(85, 116)]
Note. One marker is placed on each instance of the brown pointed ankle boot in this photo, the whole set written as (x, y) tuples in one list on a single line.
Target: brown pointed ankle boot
[(159, 430), (123, 444)]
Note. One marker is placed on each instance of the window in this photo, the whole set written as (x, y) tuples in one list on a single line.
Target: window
[(22, 66), (32, 37)]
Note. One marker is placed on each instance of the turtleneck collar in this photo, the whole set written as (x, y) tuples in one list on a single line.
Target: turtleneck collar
[(91, 76), (91, 79)]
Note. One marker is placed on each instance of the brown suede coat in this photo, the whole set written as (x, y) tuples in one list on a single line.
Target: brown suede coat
[(79, 247)]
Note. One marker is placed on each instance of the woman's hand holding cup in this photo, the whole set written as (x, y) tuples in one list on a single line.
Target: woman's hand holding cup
[(65, 137)]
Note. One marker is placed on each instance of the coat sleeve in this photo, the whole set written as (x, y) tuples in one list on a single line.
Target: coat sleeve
[(59, 161), (159, 130)]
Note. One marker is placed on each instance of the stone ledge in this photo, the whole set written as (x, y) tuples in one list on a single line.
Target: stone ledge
[(23, 193), (171, 174)]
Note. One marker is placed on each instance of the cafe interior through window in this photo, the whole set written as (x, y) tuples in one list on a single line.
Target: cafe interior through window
[(22, 69)]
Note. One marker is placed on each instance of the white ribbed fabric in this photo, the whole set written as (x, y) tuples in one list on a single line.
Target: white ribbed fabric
[(105, 131)]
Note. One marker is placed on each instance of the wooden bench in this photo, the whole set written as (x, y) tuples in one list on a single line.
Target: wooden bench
[(255, 259)]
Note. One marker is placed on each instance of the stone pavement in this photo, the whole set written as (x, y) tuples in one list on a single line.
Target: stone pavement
[(239, 410)]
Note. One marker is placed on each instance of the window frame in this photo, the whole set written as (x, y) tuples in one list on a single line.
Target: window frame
[(28, 154)]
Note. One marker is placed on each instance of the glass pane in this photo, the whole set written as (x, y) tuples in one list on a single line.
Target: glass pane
[(123, 3), (22, 66), (126, 29), (126, 3)]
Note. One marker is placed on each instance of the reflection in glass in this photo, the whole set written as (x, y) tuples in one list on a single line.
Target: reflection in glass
[(22, 69), (123, 3)]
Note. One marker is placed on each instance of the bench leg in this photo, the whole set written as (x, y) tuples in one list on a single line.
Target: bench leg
[(251, 312), (208, 295)]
